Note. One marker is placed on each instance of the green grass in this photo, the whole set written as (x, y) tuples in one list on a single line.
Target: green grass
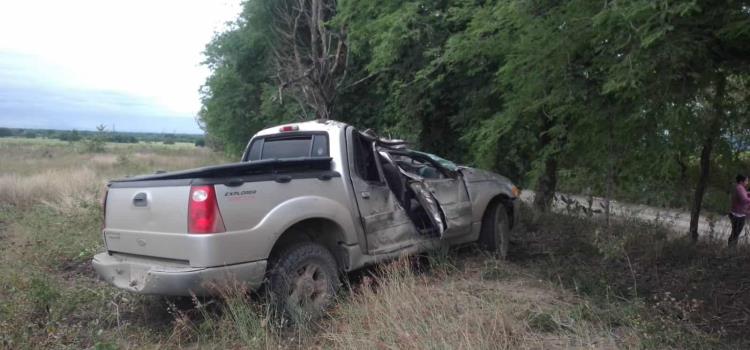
[(49, 231), (556, 292)]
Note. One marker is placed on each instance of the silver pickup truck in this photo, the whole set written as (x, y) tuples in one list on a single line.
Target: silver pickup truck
[(307, 202)]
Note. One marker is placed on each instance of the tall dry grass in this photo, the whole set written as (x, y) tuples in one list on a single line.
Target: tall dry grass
[(399, 308), (64, 176), (64, 189), (402, 310), (396, 307), (49, 231), (50, 298)]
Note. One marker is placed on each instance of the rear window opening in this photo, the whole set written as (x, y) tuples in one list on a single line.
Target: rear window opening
[(288, 146)]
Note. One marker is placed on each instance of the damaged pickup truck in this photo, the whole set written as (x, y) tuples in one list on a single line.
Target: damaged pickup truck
[(308, 202)]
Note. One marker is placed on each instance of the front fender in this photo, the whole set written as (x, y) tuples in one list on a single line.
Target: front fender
[(483, 186)]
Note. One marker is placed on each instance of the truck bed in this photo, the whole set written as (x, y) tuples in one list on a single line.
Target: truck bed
[(261, 167), (148, 215)]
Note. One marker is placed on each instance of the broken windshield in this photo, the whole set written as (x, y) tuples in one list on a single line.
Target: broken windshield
[(447, 164)]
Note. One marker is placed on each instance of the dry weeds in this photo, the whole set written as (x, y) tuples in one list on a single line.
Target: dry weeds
[(407, 311), (400, 309), (49, 230), (63, 176), (63, 189)]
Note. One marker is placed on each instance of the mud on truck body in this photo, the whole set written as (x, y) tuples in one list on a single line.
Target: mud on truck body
[(307, 202)]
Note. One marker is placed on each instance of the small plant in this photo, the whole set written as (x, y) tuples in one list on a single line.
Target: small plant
[(496, 270), (123, 160), (543, 322), (442, 261), (95, 143), (43, 296), (105, 346)]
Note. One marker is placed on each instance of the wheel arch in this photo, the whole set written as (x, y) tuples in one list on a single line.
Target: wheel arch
[(504, 200), (321, 230)]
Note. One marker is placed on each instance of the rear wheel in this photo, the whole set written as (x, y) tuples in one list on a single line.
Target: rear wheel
[(303, 281), (495, 233)]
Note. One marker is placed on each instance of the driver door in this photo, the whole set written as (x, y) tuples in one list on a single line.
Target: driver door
[(386, 224)]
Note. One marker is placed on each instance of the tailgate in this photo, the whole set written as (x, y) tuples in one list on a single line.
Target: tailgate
[(150, 221)]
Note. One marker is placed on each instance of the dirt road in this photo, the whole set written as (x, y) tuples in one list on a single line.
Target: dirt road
[(711, 226)]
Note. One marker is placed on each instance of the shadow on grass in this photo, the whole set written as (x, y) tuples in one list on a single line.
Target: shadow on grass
[(701, 286)]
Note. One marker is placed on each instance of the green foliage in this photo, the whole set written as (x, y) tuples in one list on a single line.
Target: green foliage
[(612, 98), (239, 98), (42, 294), (169, 139), (72, 136), (95, 143), (122, 138)]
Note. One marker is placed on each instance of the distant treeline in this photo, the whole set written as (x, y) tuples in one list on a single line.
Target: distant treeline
[(108, 136)]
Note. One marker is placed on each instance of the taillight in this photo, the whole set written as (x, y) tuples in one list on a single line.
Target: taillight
[(288, 128), (203, 211)]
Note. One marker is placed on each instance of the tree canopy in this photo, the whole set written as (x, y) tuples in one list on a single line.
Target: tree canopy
[(645, 100)]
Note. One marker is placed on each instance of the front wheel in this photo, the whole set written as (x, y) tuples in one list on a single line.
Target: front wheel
[(303, 281), (495, 233)]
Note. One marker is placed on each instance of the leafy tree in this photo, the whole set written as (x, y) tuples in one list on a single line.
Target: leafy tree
[(628, 99), (240, 96), (96, 142), (402, 82), (74, 136), (682, 56)]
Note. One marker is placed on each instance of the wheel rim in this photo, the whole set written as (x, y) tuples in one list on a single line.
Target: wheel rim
[(309, 288)]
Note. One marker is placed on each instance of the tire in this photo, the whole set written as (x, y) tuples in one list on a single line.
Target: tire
[(495, 233), (303, 281)]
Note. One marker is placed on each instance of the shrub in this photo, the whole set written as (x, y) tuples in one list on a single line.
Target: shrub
[(5, 132)]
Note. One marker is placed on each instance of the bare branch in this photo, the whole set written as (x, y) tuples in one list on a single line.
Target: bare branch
[(311, 59)]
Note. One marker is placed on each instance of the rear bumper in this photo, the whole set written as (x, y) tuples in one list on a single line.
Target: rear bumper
[(153, 276)]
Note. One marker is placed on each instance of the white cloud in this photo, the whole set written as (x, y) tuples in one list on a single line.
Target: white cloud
[(143, 48)]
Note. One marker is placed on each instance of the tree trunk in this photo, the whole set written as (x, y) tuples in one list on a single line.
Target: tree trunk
[(608, 189), (547, 183), (705, 163), (609, 182), (546, 186), (311, 57), (684, 197)]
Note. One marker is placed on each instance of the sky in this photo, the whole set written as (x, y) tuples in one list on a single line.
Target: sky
[(131, 65)]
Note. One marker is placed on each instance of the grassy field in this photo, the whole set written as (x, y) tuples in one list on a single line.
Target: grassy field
[(570, 283)]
